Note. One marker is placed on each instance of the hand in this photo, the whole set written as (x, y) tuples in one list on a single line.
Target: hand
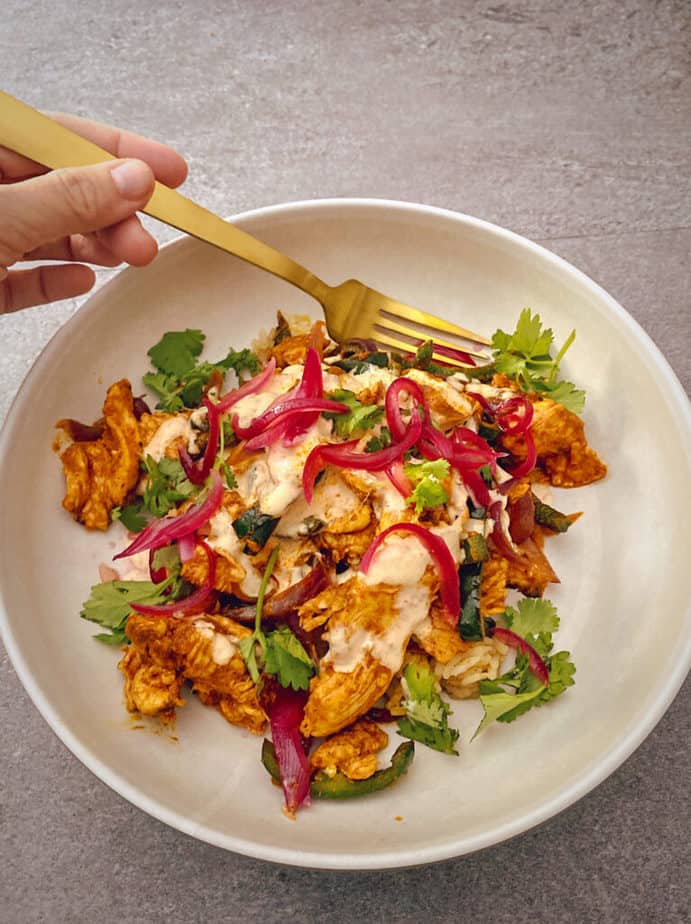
[(77, 214)]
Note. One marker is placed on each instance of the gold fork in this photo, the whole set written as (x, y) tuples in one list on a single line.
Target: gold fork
[(352, 309)]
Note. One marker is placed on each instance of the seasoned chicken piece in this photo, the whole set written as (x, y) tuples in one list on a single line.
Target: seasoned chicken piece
[(493, 579), (149, 425), (100, 473), (292, 347), (204, 652), (349, 547), (353, 604), (150, 689), (438, 638), (290, 351), (353, 752), (448, 406), (350, 679), (531, 572), (229, 573), (336, 505), (373, 394), (562, 450), (337, 699)]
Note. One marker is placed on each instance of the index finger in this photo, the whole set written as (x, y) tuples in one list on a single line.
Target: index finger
[(168, 166)]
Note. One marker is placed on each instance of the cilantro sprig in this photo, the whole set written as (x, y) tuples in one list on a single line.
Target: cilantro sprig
[(426, 718), (535, 621), (279, 653), (166, 485), (180, 378), (109, 604), (427, 479), (360, 417), (524, 356)]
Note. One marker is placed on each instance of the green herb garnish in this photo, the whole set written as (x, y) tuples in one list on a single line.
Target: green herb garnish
[(280, 652), (525, 357), (109, 604), (167, 485), (427, 478), (360, 417), (535, 621), (179, 379), (426, 712)]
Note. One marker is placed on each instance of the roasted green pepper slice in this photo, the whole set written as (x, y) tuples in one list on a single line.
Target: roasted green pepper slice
[(472, 626), (549, 517), (339, 786), (475, 548), (255, 528)]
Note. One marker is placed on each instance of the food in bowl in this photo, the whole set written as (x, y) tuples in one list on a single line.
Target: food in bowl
[(332, 545)]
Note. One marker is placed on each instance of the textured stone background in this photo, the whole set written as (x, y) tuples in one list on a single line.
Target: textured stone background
[(569, 123)]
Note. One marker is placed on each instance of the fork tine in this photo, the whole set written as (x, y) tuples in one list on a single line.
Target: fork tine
[(403, 347), (393, 327), (399, 310)]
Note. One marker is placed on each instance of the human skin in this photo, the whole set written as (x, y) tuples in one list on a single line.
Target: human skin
[(67, 218)]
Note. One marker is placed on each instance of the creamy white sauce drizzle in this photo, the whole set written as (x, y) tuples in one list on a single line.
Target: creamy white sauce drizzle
[(347, 646), (372, 377), (332, 499), (222, 647), (285, 465), (451, 396), (222, 537), (490, 391), (252, 406), (172, 429)]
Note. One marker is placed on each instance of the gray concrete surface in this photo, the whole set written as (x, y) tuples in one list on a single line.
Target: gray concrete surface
[(569, 123)]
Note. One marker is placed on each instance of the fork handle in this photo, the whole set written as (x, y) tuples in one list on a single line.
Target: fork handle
[(42, 139)]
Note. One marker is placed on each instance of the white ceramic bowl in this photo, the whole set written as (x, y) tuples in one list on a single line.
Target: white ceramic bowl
[(624, 594)]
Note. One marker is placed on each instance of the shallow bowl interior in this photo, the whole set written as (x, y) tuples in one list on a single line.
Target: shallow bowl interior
[(626, 552)]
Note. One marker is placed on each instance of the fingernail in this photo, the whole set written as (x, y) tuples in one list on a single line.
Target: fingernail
[(132, 179)]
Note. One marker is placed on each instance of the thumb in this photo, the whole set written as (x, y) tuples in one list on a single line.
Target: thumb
[(70, 201)]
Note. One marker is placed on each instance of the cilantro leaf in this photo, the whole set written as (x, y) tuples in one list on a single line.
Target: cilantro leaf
[(361, 417), (176, 351), (116, 637), (166, 486), (130, 516), (382, 440), (165, 387), (240, 361), (287, 659), (524, 355), (179, 380), (498, 703), (564, 393), (535, 621), (561, 671), (109, 604), (427, 477), (426, 712), (532, 616)]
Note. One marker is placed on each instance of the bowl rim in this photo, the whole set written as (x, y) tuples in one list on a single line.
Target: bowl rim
[(566, 795)]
